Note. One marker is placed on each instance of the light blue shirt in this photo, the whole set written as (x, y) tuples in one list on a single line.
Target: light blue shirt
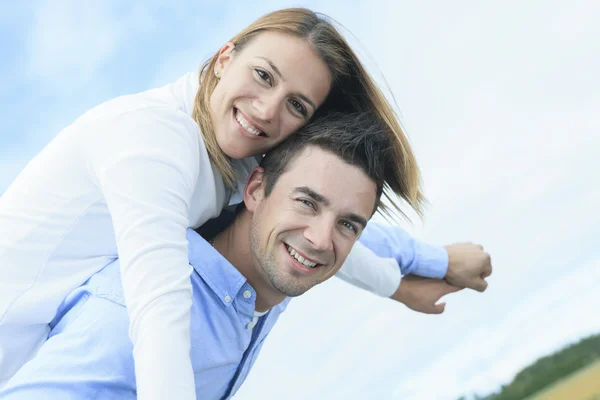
[(414, 257), (88, 354)]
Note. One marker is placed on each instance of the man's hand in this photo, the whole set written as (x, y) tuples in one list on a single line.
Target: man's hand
[(468, 266), (422, 294)]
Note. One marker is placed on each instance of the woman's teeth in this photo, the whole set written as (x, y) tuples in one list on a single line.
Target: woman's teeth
[(299, 258), (240, 118)]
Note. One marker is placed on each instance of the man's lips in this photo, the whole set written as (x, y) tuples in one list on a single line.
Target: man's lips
[(299, 265), (303, 255)]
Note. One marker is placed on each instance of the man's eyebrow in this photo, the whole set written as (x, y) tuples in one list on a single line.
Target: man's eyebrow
[(300, 95), (319, 198)]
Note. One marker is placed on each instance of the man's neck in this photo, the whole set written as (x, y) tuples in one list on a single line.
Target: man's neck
[(234, 244)]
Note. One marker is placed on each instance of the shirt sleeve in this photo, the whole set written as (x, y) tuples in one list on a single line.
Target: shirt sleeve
[(146, 163), (385, 251), (366, 270)]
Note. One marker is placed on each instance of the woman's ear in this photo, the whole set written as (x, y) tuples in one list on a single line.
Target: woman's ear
[(223, 58), (254, 191)]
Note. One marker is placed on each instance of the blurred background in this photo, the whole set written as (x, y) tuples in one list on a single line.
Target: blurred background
[(501, 101)]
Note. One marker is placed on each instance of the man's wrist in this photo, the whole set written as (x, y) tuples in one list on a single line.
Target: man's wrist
[(431, 262)]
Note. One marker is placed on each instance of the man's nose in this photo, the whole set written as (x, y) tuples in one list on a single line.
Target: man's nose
[(319, 233)]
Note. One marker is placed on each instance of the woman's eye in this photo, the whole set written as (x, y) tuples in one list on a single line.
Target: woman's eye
[(264, 76), (299, 107)]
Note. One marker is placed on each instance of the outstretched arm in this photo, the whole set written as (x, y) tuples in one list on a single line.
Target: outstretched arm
[(385, 252), (413, 256)]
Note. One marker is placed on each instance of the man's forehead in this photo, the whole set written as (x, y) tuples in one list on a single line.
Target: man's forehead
[(312, 159), (342, 184), (313, 154)]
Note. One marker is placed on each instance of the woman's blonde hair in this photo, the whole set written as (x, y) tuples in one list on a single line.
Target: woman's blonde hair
[(352, 90)]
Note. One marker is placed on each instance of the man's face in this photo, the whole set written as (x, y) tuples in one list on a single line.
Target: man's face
[(303, 231)]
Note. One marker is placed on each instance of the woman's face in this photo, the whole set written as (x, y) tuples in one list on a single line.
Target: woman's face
[(266, 91)]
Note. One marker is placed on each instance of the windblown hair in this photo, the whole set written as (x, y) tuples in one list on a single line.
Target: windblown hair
[(359, 139), (352, 91)]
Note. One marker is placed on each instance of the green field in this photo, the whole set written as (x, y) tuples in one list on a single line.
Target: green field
[(581, 385)]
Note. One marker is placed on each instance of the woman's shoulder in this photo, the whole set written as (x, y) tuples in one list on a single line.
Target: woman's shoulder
[(165, 106), (144, 135), (139, 125)]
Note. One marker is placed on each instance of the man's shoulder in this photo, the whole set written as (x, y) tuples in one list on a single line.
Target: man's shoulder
[(215, 270)]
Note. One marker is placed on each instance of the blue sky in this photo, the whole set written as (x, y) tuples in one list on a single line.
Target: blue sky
[(502, 104)]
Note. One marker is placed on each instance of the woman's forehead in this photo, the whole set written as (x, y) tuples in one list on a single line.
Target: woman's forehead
[(293, 60)]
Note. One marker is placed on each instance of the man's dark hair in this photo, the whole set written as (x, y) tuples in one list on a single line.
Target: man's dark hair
[(357, 138)]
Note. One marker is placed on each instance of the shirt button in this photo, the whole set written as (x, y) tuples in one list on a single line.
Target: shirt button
[(227, 299), (247, 294), (250, 324)]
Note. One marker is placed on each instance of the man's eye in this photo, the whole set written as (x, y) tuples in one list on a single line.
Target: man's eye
[(307, 203), (350, 227)]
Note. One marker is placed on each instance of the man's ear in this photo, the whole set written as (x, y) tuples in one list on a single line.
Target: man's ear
[(254, 191), (223, 58)]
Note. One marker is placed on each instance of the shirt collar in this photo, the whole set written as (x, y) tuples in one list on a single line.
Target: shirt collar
[(218, 273)]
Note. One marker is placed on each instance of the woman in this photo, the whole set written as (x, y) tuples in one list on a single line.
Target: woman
[(129, 176)]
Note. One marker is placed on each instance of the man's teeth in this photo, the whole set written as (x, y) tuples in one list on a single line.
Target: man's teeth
[(240, 118), (300, 259)]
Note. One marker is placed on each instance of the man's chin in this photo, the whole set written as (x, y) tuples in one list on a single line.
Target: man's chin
[(290, 288)]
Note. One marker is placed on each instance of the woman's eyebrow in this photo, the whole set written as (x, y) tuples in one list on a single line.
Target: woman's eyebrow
[(272, 64)]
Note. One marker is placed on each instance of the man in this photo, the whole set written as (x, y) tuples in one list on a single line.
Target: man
[(303, 210)]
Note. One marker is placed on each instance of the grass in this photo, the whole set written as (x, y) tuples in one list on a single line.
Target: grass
[(581, 385)]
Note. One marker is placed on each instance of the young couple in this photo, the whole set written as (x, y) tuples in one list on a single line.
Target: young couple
[(106, 293)]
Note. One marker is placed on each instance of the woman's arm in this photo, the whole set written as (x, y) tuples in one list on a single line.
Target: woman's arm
[(147, 163), (384, 251)]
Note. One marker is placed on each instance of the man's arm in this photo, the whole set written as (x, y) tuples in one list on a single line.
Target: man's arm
[(383, 252), (414, 257), (465, 265)]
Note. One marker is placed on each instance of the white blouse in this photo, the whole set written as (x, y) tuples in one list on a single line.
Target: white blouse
[(128, 177)]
